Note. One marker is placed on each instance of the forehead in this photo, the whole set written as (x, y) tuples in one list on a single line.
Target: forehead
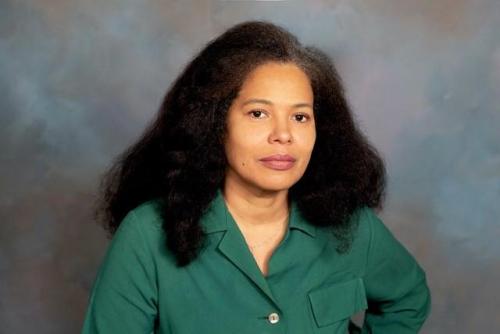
[(274, 78)]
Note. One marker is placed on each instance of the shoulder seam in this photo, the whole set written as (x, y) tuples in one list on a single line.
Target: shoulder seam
[(147, 248), (370, 239)]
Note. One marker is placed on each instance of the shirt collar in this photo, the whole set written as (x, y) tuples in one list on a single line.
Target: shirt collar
[(218, 218)]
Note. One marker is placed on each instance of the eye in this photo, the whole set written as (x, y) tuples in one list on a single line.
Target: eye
[(303, 118), (256, 113)]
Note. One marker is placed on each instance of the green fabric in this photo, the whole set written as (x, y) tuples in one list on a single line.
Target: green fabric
[(312, 288)]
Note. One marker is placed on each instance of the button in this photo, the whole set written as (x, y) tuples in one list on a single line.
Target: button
[(273, 318)]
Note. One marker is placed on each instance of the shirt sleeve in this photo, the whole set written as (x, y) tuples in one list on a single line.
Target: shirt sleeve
[(124, 294), (399, 299)]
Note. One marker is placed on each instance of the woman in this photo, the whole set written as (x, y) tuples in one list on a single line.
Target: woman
[(248, 205)]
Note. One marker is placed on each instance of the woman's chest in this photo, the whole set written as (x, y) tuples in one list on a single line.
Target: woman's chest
[(226, 291)]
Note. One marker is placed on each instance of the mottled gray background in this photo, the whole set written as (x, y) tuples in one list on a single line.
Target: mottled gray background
[(79, 80)]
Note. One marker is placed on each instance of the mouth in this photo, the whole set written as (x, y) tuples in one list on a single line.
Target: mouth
[(279, 157), (278, 164)]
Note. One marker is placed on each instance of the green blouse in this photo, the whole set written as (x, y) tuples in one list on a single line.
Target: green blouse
[(310, 287)]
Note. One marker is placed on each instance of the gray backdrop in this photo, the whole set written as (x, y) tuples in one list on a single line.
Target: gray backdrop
[(79, 80)]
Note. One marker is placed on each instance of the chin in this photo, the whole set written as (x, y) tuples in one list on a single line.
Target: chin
[(276, 185)]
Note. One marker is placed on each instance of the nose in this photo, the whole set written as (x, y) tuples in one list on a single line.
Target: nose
[(281, 131)]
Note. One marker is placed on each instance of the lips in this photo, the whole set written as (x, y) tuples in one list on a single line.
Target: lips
[(279, 157), (278, 161)]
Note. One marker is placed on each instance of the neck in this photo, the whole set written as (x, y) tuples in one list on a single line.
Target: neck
[(257, 209)]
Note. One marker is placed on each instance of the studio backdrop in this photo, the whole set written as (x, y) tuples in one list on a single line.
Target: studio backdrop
[(80, 80)]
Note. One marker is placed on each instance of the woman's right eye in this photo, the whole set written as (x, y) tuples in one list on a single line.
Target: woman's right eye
[(256, 113)]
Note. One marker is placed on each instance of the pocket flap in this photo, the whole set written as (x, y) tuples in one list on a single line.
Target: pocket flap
[(337, 301)]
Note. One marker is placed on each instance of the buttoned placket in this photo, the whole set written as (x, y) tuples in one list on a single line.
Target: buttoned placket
[(233, 246)]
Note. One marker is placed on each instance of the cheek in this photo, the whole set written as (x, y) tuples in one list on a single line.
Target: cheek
[(312, 138), (246, 140), (312, 143), (308, 140), (237, 152)]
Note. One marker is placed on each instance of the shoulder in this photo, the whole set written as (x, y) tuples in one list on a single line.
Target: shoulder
[(366, 228), (362, 220), (372, 230), (367, 221), (148, 213), (144, 220)]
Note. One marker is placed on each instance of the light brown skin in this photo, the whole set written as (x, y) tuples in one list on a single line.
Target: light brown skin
[(256, 195)]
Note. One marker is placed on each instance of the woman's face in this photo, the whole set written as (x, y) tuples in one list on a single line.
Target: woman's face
[(272, 114)]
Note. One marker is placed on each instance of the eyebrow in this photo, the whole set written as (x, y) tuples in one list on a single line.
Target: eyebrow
[(263, 101)]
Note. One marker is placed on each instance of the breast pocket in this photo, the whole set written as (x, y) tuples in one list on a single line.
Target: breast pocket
[(333, 305)]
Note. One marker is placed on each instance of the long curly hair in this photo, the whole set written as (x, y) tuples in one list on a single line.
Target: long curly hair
[(180, 158)]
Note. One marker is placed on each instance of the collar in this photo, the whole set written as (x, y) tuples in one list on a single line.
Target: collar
[(217, 217)]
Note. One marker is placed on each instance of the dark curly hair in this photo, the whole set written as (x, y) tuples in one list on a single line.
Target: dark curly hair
[(180, 158)]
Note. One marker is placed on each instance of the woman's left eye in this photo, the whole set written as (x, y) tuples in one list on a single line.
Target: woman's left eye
[(303, 116)]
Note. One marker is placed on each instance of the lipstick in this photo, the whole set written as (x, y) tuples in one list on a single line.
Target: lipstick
[(278, 161)]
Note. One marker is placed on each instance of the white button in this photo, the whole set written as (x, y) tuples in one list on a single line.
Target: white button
[(273, 318)]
